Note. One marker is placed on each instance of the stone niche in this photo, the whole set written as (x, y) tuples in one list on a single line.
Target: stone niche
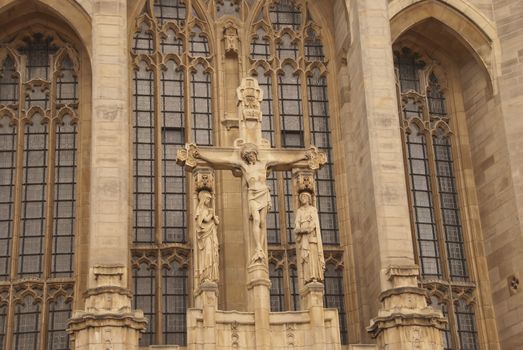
[(235, 330)]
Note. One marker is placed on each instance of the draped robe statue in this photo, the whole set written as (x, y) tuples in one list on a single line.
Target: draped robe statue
[(207, 237), (308, 238)]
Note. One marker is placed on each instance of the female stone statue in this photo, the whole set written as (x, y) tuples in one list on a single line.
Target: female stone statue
[(206, 225), (308, 238)]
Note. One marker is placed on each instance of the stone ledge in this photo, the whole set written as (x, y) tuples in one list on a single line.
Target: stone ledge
[(402, 290), (107, 289), (82, 320), (426, 318)]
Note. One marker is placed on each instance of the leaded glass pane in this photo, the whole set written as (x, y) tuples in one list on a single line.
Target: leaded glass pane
[(201, 106), (285, 13), (408, 65), (286, 47), (277, 291), (38, 50), (295, 292), (313, 47), (143, 40), (8, 83), (3, 325), (334, 296), (450, 207), (144, 155), (67, 85), (436, 100), (321, 135), (59, 314), (260, 46), (422, 201), (273, 216), (34, 202), (467, 329), (144, 292), (171, 43), (27, 325), (64, 200), (173, 137), (291, 114), (7, 192), (175, 298), (199, 45), (170, 11)]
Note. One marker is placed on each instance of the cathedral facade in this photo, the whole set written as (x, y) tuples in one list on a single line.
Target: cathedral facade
[(376, 185)]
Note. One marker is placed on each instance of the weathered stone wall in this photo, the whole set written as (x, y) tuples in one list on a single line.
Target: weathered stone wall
[(505, 239)]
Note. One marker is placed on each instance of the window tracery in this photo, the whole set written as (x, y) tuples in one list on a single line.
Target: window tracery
[(175, 57), (427, 129), (39, 116), (172, 105)]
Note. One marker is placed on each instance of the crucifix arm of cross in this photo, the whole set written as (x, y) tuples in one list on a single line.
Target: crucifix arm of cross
[(310, 158), (218, 158)]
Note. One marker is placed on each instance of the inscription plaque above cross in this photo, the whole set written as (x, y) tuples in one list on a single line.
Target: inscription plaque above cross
[(252, 157)]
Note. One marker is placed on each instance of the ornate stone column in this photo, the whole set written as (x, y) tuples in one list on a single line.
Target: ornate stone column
[(108, 321), (379, 211)]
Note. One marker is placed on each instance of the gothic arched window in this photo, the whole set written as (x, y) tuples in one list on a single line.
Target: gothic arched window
[(427, 128), (287, 56), (39, 139), (171, 105)]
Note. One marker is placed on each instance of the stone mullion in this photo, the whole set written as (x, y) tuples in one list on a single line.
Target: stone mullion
[(158, 335), (18, 172), (436, 200), (408, 180), (157, 141), (452, 322), (17, 203), (44, 312), (44, 318), (278, 141), (307, 137), (51, 149), (286, 281)]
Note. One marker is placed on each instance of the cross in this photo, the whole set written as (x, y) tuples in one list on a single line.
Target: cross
[(252, 158)]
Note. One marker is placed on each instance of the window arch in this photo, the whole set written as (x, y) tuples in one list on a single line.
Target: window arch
[(427, 126), (172, 92), (287, 56), (39, 159)]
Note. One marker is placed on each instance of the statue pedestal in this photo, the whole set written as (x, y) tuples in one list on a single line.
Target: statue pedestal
[(108, 322), (404, 320), (207, 300), (259, 300)]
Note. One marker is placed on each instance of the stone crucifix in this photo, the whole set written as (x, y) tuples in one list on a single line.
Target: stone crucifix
[(252, 158)]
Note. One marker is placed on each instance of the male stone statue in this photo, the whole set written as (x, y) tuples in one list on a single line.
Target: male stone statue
[(308, 238)]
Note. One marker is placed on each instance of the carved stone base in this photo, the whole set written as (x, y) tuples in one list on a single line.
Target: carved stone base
[(404, 320), (287, 330), (311, 295), (108, 323)]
